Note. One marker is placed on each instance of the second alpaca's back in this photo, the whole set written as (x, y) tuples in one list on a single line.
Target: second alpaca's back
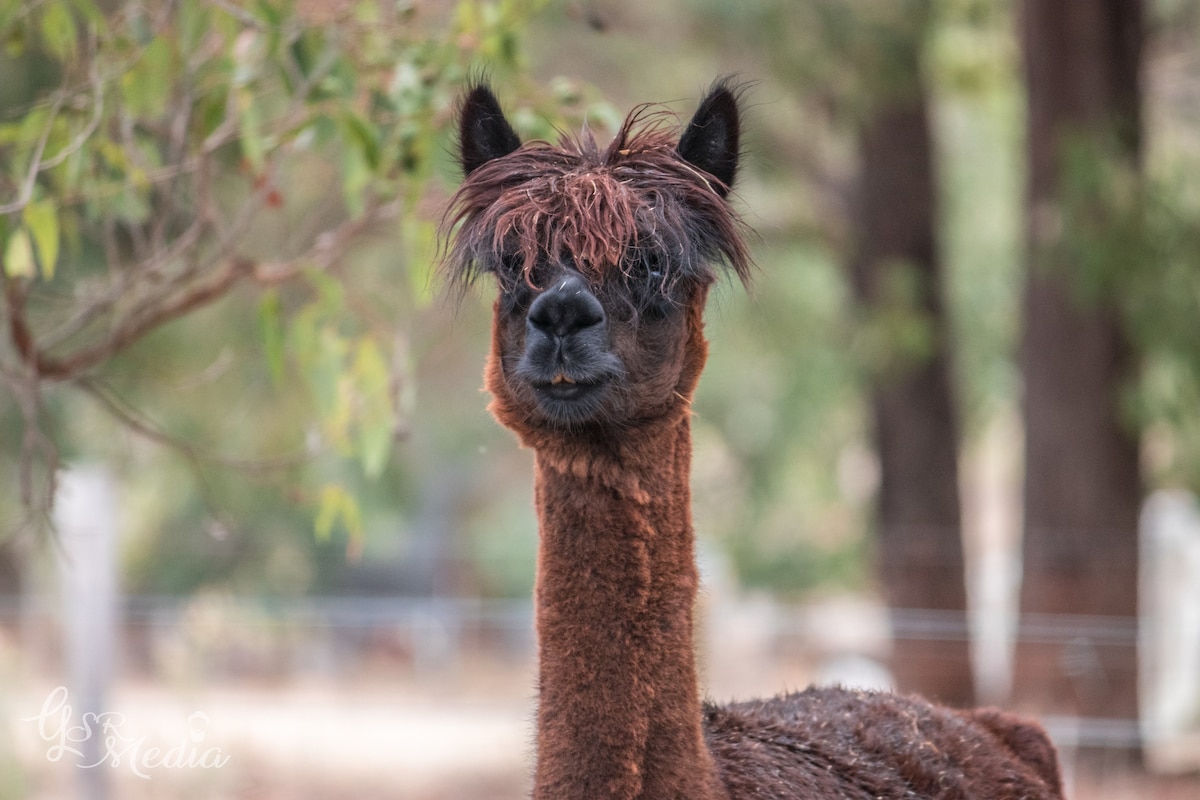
[(841, 743)]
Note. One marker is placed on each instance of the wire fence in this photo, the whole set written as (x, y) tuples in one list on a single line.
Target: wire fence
[(436, 639)]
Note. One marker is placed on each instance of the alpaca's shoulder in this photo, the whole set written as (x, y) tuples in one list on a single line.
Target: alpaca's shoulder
[(847, 743), (1025, 738)]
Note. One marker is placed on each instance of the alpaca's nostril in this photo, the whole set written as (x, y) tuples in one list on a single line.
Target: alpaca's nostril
[(566, 309)]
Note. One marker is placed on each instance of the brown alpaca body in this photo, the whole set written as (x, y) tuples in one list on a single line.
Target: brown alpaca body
[(603, 264), (620, 713), (830, 742)]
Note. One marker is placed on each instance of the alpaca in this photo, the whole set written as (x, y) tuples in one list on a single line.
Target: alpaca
[(603, 259)]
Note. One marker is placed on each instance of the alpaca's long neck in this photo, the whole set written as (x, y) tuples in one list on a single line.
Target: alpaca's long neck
[(619, 713)]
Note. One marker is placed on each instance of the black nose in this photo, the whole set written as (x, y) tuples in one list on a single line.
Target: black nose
[(567, 308)]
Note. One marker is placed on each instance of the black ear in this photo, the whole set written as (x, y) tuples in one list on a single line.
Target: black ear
[(711, 139), (483, 132)]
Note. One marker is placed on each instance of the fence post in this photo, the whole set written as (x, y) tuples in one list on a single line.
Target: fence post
[(1170, 631), (86, 519)]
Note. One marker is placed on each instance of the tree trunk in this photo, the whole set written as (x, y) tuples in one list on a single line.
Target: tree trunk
[(920, 544), (1082, 491)]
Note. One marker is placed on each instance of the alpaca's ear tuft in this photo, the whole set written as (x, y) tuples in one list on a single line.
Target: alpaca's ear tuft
[(483, 132), (711, 140)]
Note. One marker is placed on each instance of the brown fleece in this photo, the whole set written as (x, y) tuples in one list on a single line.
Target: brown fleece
[(619, 713), (619, 707), (592, 207)]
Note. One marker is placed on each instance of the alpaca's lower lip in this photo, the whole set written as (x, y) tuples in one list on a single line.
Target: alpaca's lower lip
[(566, 391)]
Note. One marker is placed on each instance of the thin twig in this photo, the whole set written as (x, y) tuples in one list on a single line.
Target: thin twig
[(116, 291), (36, 500), (124, 413), (93, 123), (70, 366), (239, 14), (35, 162)]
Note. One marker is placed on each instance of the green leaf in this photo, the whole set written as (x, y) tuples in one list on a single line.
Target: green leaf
[(18, 256), (73, 171), (337, 504), (42, 220), (192, 25), (140, 28), (12, 36), (325, 370), (356, 177), (420, 238), (352, 516), (328, 510), (359, 134), (330, 293), (305, 52), (270, 322), (146, 87), (376, 421), (253, 147), (360, 159), (210, 109), (129, 205), (58, 31), (268, 12), (302, 334), (92, 15), (30, 128), (112, 154)]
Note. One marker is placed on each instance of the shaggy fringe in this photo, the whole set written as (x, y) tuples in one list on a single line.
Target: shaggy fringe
[(635, 207)]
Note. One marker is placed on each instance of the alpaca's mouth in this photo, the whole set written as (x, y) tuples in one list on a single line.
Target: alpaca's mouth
[(568, 390), (569, 401), (563, 388)]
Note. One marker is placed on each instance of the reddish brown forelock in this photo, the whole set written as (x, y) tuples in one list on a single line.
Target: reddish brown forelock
[(577, 205)]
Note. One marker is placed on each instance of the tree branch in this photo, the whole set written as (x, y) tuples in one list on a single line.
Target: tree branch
[(328, 247), (99, 305), (130, 418), (35, 162), (93, 123), (49, 368), (36, 498)]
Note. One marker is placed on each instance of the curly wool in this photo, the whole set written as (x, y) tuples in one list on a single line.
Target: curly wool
[(597, 210)]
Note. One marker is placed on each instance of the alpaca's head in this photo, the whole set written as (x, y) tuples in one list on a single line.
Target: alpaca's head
[(602, 259)]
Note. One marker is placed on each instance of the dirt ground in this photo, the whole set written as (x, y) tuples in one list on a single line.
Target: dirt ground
[(429, 740)]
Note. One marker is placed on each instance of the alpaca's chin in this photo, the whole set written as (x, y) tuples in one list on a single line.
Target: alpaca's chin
[(571, 404)]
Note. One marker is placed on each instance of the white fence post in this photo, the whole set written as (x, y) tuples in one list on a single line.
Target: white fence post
[(1169, 643), (86, 519)]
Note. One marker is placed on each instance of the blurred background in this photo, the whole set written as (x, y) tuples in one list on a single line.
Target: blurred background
[(260, 538)]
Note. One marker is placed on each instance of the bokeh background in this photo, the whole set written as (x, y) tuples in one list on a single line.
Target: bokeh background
[(254, 512)]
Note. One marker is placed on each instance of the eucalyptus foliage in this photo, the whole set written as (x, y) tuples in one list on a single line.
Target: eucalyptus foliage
[(157, 157)]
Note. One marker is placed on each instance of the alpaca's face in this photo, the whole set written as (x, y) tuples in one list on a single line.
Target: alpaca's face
[(602, 261), (573, 351)]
